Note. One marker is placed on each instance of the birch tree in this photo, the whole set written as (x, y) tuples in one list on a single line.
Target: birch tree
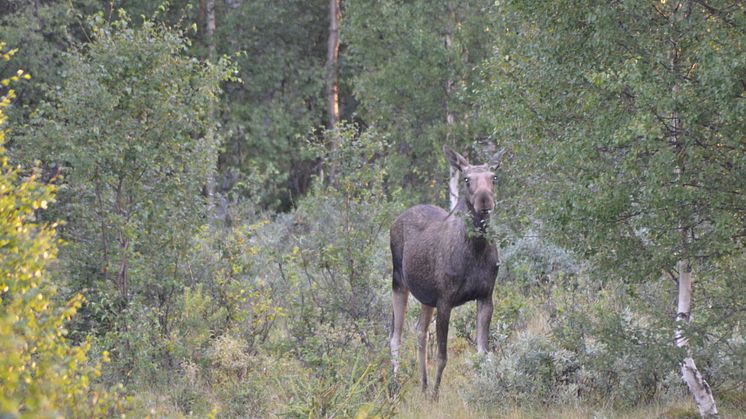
[(42, 371), (629, 120)]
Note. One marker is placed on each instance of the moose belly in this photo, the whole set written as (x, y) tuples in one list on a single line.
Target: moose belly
[(429, 288), (473, 289), (425, 295), (420, 274)]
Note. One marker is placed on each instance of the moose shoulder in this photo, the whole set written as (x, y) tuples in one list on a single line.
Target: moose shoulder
[(444, 262)]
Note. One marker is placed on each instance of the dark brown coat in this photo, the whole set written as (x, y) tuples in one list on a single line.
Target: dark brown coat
[(445, 260)]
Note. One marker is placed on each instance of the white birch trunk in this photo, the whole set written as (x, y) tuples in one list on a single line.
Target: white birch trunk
[(453, 187), (450, 116), (689, 373), (210, 28), (207, 12)]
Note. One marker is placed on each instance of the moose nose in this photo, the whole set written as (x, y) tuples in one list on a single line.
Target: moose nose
[(485, 204)]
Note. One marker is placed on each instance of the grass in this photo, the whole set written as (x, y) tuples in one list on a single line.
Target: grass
[(452, 405)]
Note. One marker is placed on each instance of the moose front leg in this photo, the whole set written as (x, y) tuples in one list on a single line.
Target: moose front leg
[(484, 317), (441, 324)]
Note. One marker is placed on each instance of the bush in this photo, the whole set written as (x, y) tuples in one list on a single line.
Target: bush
[(42, 374), (329, 262), (532, 369), (349, 384), (331, 255), (577, 339), (130, 130)]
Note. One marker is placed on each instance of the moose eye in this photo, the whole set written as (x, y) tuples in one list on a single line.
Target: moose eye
[(466, 180), (494, 179)]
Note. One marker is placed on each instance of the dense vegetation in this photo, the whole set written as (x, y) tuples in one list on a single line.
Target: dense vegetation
[(196, 196)]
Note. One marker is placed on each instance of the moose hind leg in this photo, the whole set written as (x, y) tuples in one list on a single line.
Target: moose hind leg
[(442, 319), (426, 315), (400, 295)]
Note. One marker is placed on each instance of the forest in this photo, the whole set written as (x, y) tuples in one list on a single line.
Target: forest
[(196, 199)]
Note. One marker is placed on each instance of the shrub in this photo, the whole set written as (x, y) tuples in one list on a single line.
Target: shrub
[(532, 369), (130, 130), (42, 374)]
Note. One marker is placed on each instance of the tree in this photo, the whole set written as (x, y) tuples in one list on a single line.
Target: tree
[(127, 130), (413, 66), (41, 372), (331, 81), (268, 118), (45, 30), (629, 122), (332, 58)]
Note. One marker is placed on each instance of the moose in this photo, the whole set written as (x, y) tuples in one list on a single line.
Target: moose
[(445, 260)]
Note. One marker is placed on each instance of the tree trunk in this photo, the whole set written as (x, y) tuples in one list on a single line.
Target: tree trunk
[(122, 209), (453, 181), (332, 84), (207, 17), (332, 56), (689, 373), (210, 27)]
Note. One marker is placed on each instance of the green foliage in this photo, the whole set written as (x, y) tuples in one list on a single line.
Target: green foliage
[(604, 159), (596, 346), (128, 130), (533, 369), (628, 125), (338, 257), (327, 264), (41, 372), (281, 50), (45, 30), (400, 66), (351, 385)]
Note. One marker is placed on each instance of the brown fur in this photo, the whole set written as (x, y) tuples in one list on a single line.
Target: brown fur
[(444, 262)]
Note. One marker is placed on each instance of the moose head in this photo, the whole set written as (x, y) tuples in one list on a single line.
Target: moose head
[(478, 182)]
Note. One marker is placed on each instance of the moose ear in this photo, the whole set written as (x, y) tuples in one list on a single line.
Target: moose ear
[(495, 160), (456, 160)]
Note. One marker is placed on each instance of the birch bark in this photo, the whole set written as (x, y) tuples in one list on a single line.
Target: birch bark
[(453, 192), (689, 373)]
